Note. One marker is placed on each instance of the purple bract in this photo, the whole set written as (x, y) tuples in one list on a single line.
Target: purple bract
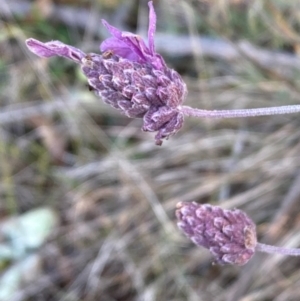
[(132, 47)]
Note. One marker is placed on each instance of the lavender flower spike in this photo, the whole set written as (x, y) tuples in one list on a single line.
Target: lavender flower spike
[(230, 235), (130, 76)]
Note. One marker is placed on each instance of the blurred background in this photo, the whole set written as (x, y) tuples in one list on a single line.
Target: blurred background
[(87, 200)]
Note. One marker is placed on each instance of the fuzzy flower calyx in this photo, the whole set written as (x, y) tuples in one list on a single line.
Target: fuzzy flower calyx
[(230, 235), (130, 76)]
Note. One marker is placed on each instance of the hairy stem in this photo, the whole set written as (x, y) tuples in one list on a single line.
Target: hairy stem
[(278, 250), (189, 111)]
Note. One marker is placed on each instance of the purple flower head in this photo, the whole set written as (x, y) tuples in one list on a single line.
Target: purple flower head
[(230, 235), (130, 76)]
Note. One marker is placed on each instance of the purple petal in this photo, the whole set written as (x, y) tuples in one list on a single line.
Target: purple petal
[(55, 48), (151, 28), (119, 48), (133, 42), (140, 52)]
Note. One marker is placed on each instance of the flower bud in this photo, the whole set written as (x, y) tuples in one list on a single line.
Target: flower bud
[(230, 235)]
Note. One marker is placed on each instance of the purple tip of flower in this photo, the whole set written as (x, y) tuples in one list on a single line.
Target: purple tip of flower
[(55, 48), (119, 48), (131, 46), (230, 235)]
